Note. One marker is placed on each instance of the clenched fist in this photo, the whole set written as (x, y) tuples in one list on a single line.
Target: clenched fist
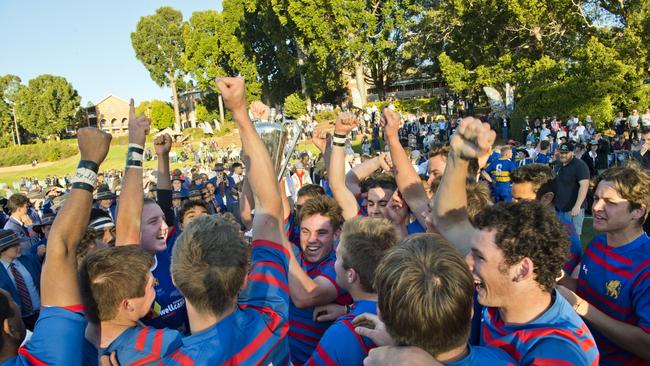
[(233, 92), (473, 139), (162, 144), (93, 144), (345, 122)]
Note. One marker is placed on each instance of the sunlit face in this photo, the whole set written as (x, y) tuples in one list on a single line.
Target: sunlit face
[(11, 253), (191, 214), (105, 204), (211, 188), (317, 237), (523, 191), (176, 185), (437, 166), (106, 236), (398, 210), (611, 211), (377, 202), (154, 229), (565, 156), (492, 277), (142, 304)]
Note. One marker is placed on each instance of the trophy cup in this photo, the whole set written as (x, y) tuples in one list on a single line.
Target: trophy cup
[(275, 137)]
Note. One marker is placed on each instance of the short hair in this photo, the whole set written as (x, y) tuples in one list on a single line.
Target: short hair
[(17, 201), (85, 245), (190, 204), (380, 180), (527, 229), (478, 195), (540, 176), (6, 311), (505, 149), (544, 145), (209, 263), (311, 191), (365, 240), (236, 165), (325, 206), (111, 275), (439, 149), (631, 183), (425, 289)]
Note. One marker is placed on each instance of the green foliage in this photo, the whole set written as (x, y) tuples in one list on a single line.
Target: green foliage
[(456, 75), (326, 116), (194, 133), (162, 114), (25, 154), (47, 105), (408, 105), (9, 87), (295, 106)]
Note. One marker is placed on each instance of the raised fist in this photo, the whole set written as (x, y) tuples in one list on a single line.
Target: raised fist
[(473, 139), (233, 92), (138, 126), (163, 144), (260, 111), (321, 139), (93, 144), (345, 122), (391, 122)]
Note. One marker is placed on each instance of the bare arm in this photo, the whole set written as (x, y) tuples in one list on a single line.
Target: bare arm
[(163, 145), (336, 170), (246, 205), (359, 173), (129, 211), (308, 292), (59, 284), (408, 180), (582, 194), (262, 178), (473, 139)]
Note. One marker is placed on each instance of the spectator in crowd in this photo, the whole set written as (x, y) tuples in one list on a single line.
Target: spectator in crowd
[(573, 185)]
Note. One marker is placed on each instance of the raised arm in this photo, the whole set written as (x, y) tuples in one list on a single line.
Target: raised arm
[(360, 172), (323, 141), (262, 178), (473, 139), (345, 122), (59, 285), (129, 211), (246, 205), (163, 145), (408, 181)]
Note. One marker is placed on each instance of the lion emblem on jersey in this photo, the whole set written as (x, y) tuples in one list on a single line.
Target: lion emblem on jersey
[(613, 288)]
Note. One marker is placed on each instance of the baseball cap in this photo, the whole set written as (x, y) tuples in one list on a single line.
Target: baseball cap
[(566, 147)]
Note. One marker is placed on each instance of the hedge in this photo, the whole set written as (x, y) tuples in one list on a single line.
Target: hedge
[(25, 154)]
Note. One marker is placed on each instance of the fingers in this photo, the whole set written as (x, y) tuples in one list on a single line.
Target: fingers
[(131, 109), (365, 318)]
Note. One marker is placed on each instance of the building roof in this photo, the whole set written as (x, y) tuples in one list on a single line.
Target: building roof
[(111, 95)]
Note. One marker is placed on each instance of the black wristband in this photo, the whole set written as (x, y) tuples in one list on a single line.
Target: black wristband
[(340, 135), (133, 163), (84, 186), (87, 164), (338, 144), (133, 149)]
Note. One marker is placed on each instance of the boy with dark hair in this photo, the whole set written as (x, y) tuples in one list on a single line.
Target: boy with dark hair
[(498, 175), (612, 292), (363, 243)]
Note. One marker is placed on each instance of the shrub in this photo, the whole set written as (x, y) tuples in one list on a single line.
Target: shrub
[(326, 116), (295, 106), (194, 133), (25, 154)]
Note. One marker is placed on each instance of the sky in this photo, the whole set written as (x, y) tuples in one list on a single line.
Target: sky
[(86, 41)]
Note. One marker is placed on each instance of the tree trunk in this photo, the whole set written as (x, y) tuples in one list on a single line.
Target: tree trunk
[(303, 82), (16, 125), (221, 115), (361, 81), (177, 114)]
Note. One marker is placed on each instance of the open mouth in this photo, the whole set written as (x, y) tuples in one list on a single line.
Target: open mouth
[(312, 248)]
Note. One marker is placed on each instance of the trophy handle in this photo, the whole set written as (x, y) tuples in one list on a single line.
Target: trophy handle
[(292, 146)]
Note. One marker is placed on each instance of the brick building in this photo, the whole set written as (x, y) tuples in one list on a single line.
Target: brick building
[(110, 114)]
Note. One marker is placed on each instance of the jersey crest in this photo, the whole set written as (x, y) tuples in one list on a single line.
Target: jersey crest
[(613, 288)]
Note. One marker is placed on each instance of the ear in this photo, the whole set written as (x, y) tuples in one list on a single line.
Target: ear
[(639, 212), (547, 198), (523, 270), (351, 276), (6, 327), (337, 234), (126, 305)]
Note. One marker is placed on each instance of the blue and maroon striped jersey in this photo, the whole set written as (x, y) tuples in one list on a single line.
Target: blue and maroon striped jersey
[(141, 345), (341, 345), (575, 252), (558, 337), (484, 356), (616, 280), (168, 309), (58, 339), (304, 332), (255, 332)]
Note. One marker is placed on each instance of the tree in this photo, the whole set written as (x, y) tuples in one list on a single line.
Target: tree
[(295, 106), (9, 87), (47, 105), (161, 113), (159, 45)]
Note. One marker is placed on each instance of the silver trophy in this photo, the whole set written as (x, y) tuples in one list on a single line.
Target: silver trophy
[(275, 137)]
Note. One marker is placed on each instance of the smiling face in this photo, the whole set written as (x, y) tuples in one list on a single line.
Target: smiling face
[(492, 279), (154, 229), (316, 237), (611, 211), (377, 201)]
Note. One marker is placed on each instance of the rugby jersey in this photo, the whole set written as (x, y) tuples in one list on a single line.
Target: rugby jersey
[(141, 345), (484, 356), (558, 337), (341, 345), (255, 332), (575, 251), (616, 280), (168, 309)]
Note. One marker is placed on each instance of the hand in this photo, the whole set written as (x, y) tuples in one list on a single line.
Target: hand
[(369, 325), (578, 303), (93, 144), (40, 250), (398, 211), (385, 162), (109, 361), (26, 220), (345, 122), (138, 126), (260, 110), (396, 356), (575, 211), (162, 144), (321, 139), (473, 139), (233, 92), (391, 122), (328, 313)]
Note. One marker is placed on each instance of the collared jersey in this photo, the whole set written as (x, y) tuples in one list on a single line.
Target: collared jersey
[(168, 309), (616, 280), (304, 332), (575, 251), (141, 345), (341, 345), (484, 356), (58, 339), (255, 332), (557, 337), (500, 171)]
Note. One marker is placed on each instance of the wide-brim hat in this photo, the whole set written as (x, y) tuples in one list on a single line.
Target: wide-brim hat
[(58, 201), (179, 195), (104, 193), (8, 239)]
